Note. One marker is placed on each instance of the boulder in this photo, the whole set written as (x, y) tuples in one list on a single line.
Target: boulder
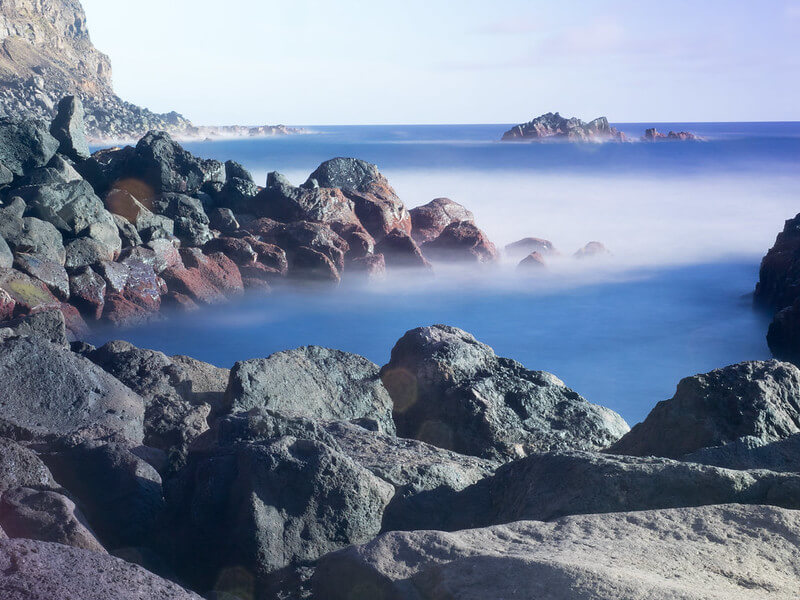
[(34, 570), (314, 382), (85, 252), (223, 220), (400, 251), (237, 249), (782, 338), (526, 246), (453, 392), (48, 325), (50, 392), (239, 189), (142, 286), (375, 202), (128, 234), (191, 221), (166, 254), (533, 262), (216, 268), (33, 236), (245, 510), (29, 295), (755, 399), (372, 266), (207, 382), (164, 166), (429, 220), (548, 486), (307, 264), (592, 249), (270, 255), (119, 492), (121, 312), (20, 467), (68, 129), (106, 169), (779, 278), (6, 257), (171, 420), (25, 145), (303, 234), (46, 270), (7, 305), (462, 242), (87, 292), (667, 554), (47, 516)]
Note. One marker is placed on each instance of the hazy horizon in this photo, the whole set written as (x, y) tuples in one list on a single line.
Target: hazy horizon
[(421, 63)]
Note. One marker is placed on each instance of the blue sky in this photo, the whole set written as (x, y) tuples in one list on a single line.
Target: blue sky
[(434, 61)]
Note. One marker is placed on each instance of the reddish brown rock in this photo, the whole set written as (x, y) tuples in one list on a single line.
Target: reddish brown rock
[(376, 204), (178, 302), (87, 292), (237, 249), (525, 246), (533, 262), (429, 220), (592, 249), (30, 295), (270, 255), (653, 135), (166, 254), (142, 287), (461, 242), (7, 304), (306, 264), (360, 242), (216, 268), (122, 312), (317, 236), (252, 284), (192, 283), (76, 327), (399, 250), (372, 266), (260, 271)]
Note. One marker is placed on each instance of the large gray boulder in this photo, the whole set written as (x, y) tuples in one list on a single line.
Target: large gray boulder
[(256, 507), (34, 570), (712, 553), (44, 269), (751, 453), (68, 128), (25, 145), (171, 419), (49, 392), (21, 467), (755, 399), (208, 382), (452, 391), (549, 486), (313, 382), (48, 325), (31, 235)]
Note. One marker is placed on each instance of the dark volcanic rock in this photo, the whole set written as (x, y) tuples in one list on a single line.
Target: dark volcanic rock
[(314, 382), (32, 236), (779, 278), (783, 335), (460, 242), (48, 271), (208, 382), (429, 220), (165, 166), (554, 126), (756, 399), (48, 391), (48, 325), (47, 516), (236, 249), (549, 486), (667, 554), (68, 129), (400, 251), (223, 220), (119, 492), (256, 507), (191, 221), (20, 467), (85, 252), (307, 264), (87, 292), (30, 295), (33, 570), (454, 392), (25, 145), (376, 203)]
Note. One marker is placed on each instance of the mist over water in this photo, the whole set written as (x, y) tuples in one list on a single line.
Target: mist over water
[(687, 224)]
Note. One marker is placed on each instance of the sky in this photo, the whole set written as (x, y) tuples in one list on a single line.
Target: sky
[(318, 62)]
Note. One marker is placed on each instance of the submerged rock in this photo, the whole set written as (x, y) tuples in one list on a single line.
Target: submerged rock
[(666, 554), (400, 251), (462, 242), (454, 392)]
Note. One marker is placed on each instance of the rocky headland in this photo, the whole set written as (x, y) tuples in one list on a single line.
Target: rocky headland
[(47, 54), (450, 472), (554, 127)]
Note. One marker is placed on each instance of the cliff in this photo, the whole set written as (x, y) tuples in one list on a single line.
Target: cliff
[(46, 53)]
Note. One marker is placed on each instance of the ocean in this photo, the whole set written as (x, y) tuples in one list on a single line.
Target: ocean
[(686, 222)]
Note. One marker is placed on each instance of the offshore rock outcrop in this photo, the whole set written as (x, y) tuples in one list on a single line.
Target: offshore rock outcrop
[(552, 126)]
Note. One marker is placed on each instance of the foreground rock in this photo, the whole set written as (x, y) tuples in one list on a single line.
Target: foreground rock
[(313, 382), (32, 570), (554, 126), (752, 399), (668, 554), (49, 391), (452, 391), (429, 220)]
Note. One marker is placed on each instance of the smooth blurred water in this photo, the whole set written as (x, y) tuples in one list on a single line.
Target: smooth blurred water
[(687, 222)]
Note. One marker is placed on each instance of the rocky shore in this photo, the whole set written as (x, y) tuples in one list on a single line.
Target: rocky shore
[(124, 234), (449, 472)]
